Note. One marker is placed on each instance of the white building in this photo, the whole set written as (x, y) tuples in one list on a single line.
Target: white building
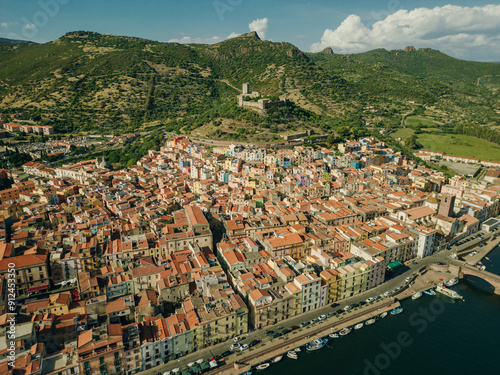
[(310, 286)]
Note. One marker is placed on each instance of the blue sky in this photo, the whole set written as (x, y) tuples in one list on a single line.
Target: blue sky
[(457, 28)]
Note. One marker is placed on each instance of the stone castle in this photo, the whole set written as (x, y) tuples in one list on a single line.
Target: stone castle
[(262, 104)]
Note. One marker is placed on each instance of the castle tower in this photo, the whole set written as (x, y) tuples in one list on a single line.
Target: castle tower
[(446, 205), (246, 89)]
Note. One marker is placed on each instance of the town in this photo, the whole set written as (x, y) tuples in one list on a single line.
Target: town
[(120, 271)]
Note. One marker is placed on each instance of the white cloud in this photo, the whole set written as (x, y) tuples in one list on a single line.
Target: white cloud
[(204, 40), (4, 25), (29, 26), (461, 31), (260, 26)]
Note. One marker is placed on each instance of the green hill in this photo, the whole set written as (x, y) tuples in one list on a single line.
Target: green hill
[(11, 42), (89, 82)]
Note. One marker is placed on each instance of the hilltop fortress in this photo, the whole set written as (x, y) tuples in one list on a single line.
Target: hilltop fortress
[(245, 99)]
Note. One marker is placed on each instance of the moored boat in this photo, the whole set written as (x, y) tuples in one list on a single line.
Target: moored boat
[(451, 282), (370, 322), (247, 373), (383, 315), (292, 355), (263, 366), (297, 350), (277, 359), (316, 344), (416, 295), (334, 335), (359, 326), (345, 331), (448, 292), (430, 292), (397, 311)]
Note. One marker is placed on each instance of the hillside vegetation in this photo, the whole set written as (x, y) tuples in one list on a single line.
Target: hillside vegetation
[(88, 82)]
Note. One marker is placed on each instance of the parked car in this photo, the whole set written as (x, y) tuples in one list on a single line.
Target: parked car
[(269, 333), (303, 324), (347, 308), (293, 328), (236, 339), (253, 343), (235, 347), (225, 354), (244, 347)]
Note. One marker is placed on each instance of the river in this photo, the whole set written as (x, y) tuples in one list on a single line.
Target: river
[(434, 335)]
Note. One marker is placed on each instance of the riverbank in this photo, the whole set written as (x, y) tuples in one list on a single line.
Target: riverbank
[(272, 349)]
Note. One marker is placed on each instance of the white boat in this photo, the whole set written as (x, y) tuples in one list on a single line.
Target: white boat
[(297, 350), (359, 326), (263, 366), (483, 268), (448, 292), (316, 344), (277, 359), (383, 315), (370, 322), (345, 331), (416, 295), (292, 355), (430, 292), (334, 335), (451, 282)]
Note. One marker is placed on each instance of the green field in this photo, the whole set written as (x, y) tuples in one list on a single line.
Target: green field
[(461, 145), (402, 133)]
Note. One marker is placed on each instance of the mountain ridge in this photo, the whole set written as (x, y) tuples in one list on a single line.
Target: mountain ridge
[(86, 81)]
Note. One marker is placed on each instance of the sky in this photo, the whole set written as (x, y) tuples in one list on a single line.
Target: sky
[(464, 29)]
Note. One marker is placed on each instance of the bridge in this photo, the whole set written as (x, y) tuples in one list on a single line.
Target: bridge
[(491, 278)]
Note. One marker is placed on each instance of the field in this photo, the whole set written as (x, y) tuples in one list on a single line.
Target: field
[(461, 145), (454, 144), (415, 120), (402, 133)]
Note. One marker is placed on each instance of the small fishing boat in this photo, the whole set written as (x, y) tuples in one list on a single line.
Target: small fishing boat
[(430, 292), (397, 311), (277, 359), (416, 295), (263, 366), (247, 373), (369, 322), (383, 315), (297, 350), (292, 355), (451, 282), (359, 326), (345, 331), (334, 335), (316, 344)]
